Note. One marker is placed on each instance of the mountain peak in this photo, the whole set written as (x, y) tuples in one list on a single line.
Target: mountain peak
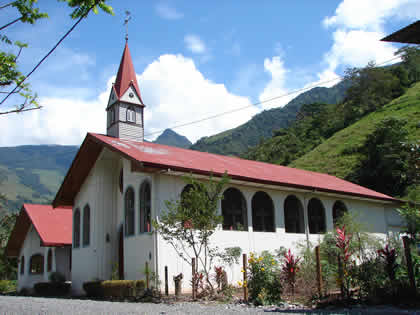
[(170, 137)]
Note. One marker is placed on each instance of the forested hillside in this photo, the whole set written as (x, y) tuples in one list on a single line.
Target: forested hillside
[(369, 138), (238, 140)]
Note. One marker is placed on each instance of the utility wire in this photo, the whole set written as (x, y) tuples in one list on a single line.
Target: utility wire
[(259, 103), (50, 52)]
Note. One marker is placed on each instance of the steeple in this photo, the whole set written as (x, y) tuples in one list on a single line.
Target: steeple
[(126, 76), (125, 106)]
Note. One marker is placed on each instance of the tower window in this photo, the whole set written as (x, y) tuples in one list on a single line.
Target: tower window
[(131, 114), (112, 114)]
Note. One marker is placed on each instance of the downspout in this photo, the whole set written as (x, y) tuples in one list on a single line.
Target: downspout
[(155, 234)]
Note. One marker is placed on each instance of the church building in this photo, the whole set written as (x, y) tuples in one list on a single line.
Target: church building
[(118, 183)]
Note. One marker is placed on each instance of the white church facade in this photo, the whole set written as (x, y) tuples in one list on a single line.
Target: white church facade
[(123, 183)]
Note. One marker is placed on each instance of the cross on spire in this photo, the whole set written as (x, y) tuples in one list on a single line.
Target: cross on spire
[(126, 20)]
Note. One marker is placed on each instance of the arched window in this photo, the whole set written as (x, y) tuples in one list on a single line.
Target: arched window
[(36, 264), (262, 212), (316, 216), (49, 260), (129, 212), (145, 207), (131, 114), (22, 265), (339, 209), (86, 225), (234, 210), (293, 215), (76, 229), (121, 181)]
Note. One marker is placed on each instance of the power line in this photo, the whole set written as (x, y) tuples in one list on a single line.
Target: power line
[(50, 52), (259, 103)]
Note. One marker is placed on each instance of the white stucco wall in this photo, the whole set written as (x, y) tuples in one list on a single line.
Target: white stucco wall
[(99, 191), (372, 214), (32, 246)]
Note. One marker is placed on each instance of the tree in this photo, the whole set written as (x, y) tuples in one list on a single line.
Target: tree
[(384, 166), (13, 85), (410, 56), (189, 223), (8, 266), (370, 88)]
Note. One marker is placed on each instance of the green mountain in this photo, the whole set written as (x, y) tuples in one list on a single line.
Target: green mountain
[(342, 154), (238, 140), (33, 173), (170, 137)]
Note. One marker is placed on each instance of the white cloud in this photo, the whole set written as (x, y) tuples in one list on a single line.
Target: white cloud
[(174, 90), (277, 85), (195, 44), (371, 14), (167, 12)]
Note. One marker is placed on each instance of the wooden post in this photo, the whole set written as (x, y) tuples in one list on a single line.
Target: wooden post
[(147, 275), (341, 276), (193, 279), (407, 251), (244, 263), (318, 270), (166, 281)]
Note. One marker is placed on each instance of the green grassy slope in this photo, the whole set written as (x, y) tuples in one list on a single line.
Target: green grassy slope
[(338, 155)]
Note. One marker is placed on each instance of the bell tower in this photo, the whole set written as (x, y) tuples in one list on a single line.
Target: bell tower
[(125, 106)]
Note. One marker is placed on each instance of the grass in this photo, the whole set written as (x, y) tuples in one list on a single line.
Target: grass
[(338, 155)]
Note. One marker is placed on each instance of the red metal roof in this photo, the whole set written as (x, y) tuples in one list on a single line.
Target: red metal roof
[(167, 157), (54, 226), (126, 75)]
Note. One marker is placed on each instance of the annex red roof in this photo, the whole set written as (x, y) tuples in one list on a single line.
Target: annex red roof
[(54, 227), (126, 75), (157, 156)]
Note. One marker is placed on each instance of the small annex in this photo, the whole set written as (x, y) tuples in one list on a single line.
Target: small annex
[(41, 240), (118, 183)]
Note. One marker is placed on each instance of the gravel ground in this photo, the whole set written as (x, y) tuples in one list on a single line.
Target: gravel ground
[(31, 305)]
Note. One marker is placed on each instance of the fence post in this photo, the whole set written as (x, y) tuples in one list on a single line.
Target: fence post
[(409, 264), (318, 270), (147, 275), (244, 262), (166, 281), (193, 278)]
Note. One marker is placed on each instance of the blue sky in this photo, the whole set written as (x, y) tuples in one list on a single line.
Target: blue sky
[(194, 59)]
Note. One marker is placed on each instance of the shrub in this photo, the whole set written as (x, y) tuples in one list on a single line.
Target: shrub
[(263, 281), (51, 288), (290, 269), (115, 288), (57, 277), (7, 286)]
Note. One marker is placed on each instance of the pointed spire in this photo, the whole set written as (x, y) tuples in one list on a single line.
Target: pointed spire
[(126, 75)]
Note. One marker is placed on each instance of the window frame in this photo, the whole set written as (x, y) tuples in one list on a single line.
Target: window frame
[(86, 234), (40, 264), (132, 212), (323, 228), (76, 226), (295, 214), (233, 216), (145, 207), (131, 114), (268, 221), (49, 260)]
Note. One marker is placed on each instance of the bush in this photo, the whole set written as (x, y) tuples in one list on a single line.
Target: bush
[(264, 282), (57, 277), (7, 286), (114, 288), (52, 288)]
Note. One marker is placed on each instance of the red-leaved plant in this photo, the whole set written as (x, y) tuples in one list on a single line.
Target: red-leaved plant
[(342, 242), (290, 268), (390, 258)]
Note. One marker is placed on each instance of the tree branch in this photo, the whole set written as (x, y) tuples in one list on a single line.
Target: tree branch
[(6, 5)]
